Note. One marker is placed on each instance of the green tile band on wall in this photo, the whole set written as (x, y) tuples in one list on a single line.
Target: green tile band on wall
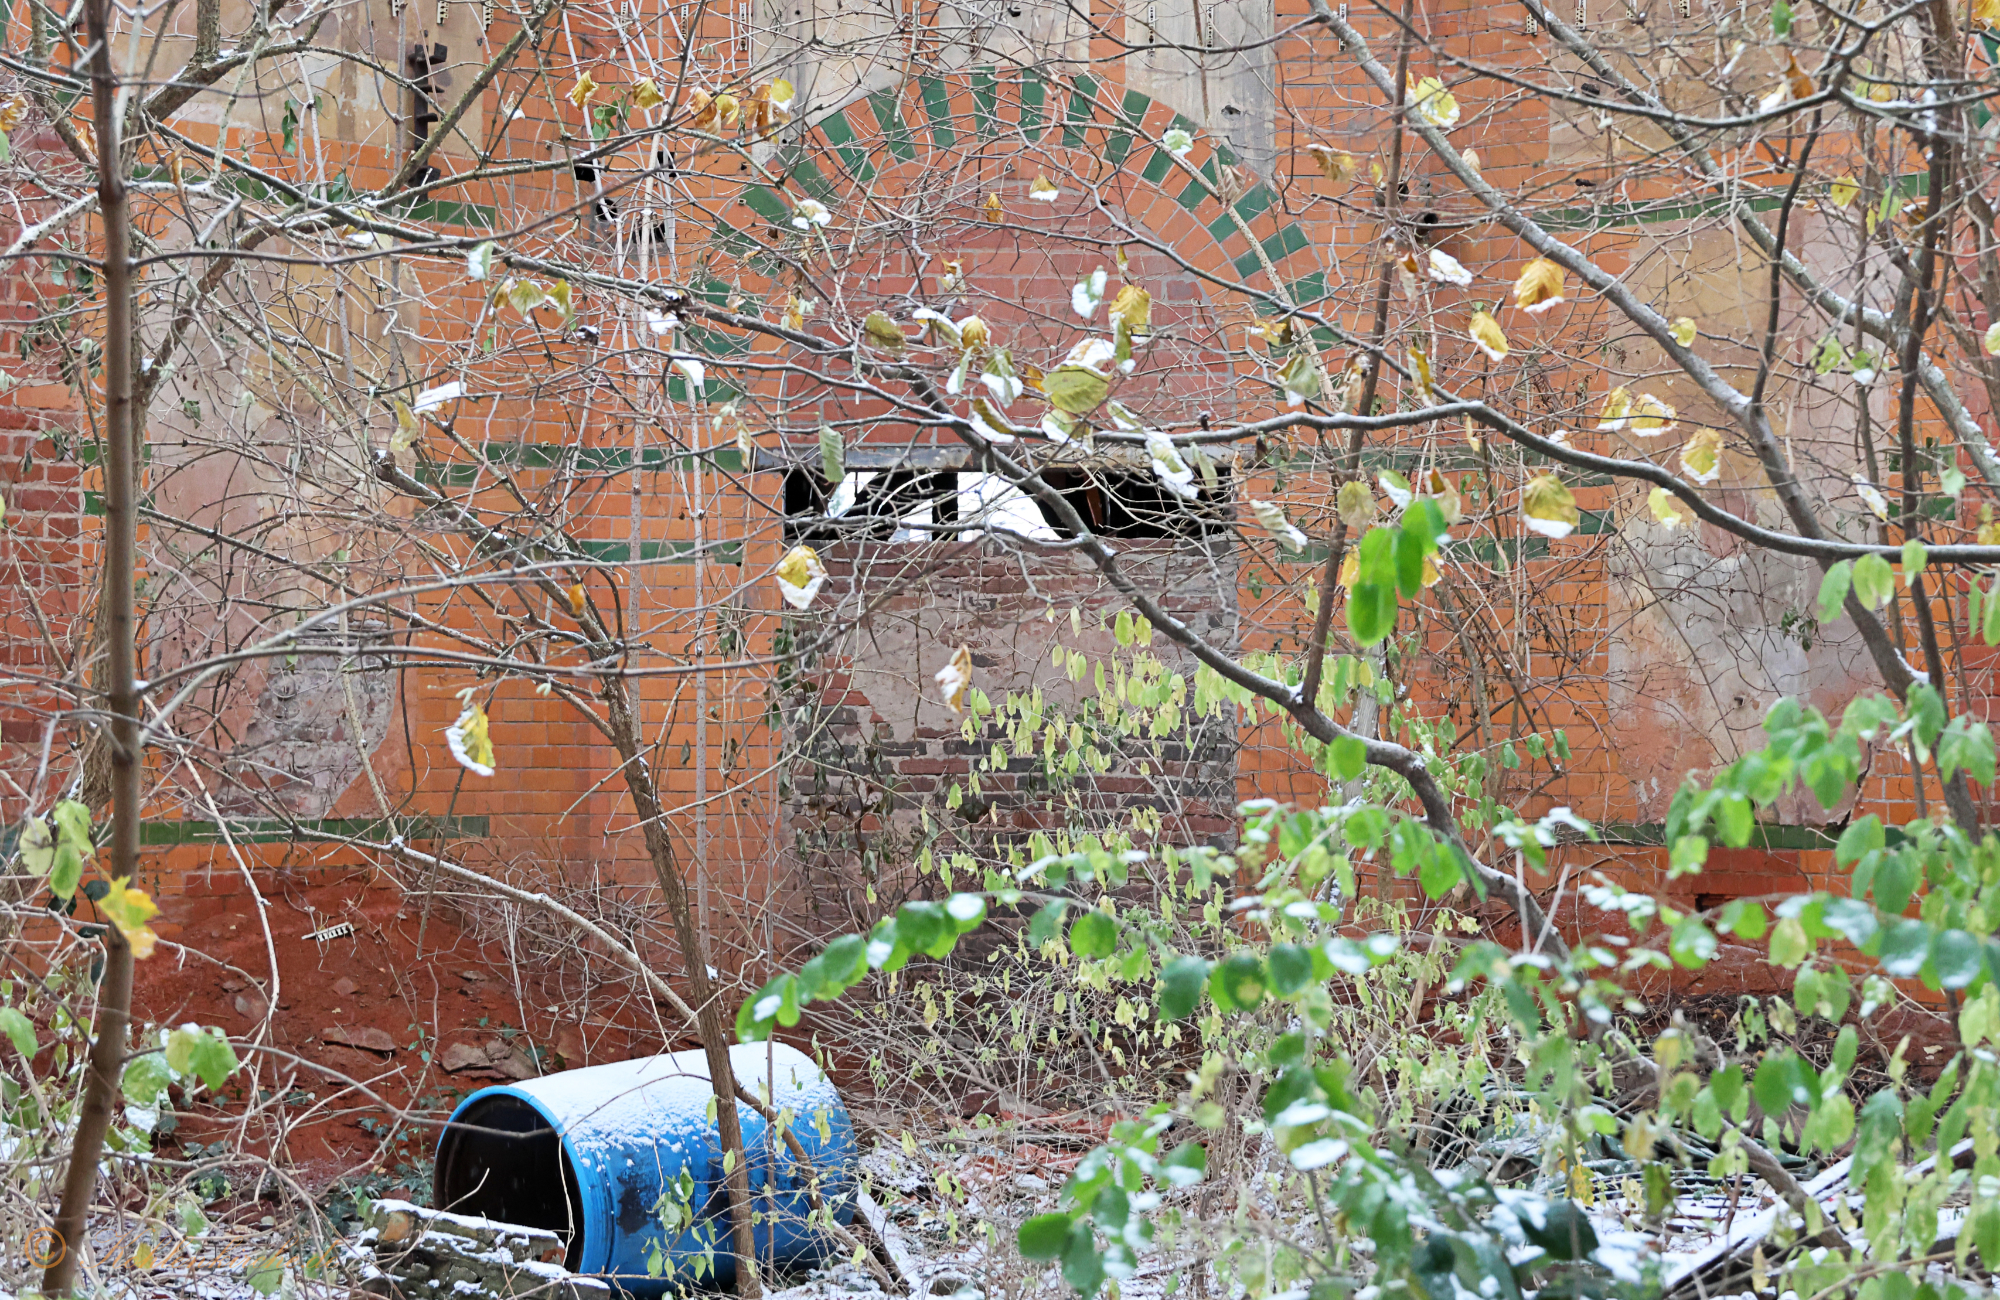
[(1034, 97), (1082, 104), (895, 134), (765, 202), (250, 830), (671, 551), (937, 107), (853, 158), (985, 103)]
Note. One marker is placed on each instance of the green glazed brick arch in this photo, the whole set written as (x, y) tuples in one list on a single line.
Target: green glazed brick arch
[(889, 128)]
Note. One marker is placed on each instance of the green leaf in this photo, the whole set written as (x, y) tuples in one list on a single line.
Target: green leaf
[(1180, 987), (966, 911), (265, 1274), (1906, 946), (1955, 956), (1186, 1166), (1075, 390), (1744, 918), (1833, 590), (1789, 944), (1693, 944), (214, 1060), (1874, 581), (1781, 18), (1083, 1266), (1862, 836), (67, 873), (1350, 757), (1915, 556), (1042, 928), (72, 820), (1565, 1231), (1237, 982), (146, 1077), (1290, 968), (832, 454), (1045, 1236), (38, 846), (20, 1031), (1094, 935), (1371, 602)]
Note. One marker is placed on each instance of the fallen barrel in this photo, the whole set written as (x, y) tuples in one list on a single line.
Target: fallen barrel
[(623, 1162)]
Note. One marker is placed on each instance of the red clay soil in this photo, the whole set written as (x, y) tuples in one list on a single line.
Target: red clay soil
[(388, 1006)]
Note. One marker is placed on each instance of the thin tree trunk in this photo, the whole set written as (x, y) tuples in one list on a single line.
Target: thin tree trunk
[(709, 1024), (119, 618)]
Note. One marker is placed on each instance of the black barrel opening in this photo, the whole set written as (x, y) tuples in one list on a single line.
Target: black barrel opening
[(501, 1160)]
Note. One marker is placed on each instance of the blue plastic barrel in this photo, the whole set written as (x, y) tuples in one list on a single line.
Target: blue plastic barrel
[(596, 1155)]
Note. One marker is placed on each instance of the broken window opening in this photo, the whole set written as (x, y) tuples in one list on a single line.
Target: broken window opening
[(902, 506)]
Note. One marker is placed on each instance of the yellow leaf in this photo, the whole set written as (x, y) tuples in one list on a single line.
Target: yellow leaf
[(727, 110), (1375, 170), (469, 742), (1471, 157), (1539, 287), (1992, 340), (1446, 495), (782, 95), (1617, 408), (800, 575), (1701, 455), (1796, 79), (1485, 331), (582, 92), (973, 334), (993, 209), (1273, 520), (883, 332), (1134, 306), (1846, 188), (1871, 496), (129, 907), (560, 296), (1547, 507), (1650, 415), (1421, 365), (1336, 166), (701, 111), (11, 112), (955, 678), (1043, 188), (1349, 567), (576, 601), (1433, 101), (646, 93), (405, 436), (1682, 331), (1354, 503), (1665, 511), (523, 295), (1431, 574), (1356, 383), (1472, 436)]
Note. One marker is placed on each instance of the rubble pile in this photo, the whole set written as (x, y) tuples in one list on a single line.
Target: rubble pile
[(407, 1252)]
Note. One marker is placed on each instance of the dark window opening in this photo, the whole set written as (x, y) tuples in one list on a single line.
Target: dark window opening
[(900, 504), (508, 1164), (885, 502), (1135, 504)]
